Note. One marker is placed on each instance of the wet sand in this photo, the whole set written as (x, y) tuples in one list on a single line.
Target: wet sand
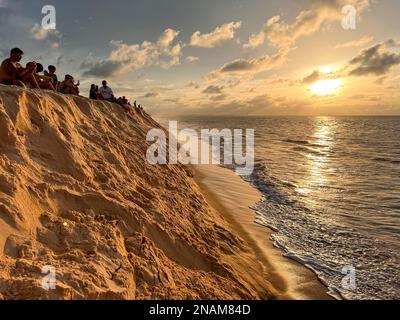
[(233, 198)]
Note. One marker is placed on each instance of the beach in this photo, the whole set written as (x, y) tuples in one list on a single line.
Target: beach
[(79, 199), (233, 198), (325, 213), (84, 216), (195, 151)]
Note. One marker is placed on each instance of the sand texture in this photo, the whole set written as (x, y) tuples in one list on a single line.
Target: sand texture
[(77, 193)]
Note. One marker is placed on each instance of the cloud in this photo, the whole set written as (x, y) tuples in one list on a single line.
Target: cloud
[(151, 95), (355, 43), (280, 34), (191, 59), (215, 38), (376, 60), (213, 89), (251, 66), (220, 97), (53, 37), (167, 38), (313, 77), (317, 75), (125, 58), (193, 85), (380, 80), (103, 68), (39, 33)]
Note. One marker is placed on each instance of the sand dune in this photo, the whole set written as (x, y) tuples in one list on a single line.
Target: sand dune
[(77, 193)]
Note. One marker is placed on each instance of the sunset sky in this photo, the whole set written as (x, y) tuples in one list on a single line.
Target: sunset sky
[(222, 57)]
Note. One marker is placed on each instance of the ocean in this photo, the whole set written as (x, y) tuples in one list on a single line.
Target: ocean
[(331, 194)]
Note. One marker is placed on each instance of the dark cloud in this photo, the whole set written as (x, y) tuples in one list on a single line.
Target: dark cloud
[(125, 58), (103, 68), (313, 77), (376, 60), (252, 66), (220, 97), (213, 89), (151, 95), (237, 65), (193, 85)]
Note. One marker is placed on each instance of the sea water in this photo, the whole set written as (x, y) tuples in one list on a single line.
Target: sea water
[(331, 194)]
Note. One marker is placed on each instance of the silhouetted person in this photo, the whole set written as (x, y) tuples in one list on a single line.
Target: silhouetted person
[(12, 73), (68, 86), (44, 82), (52, 74), (93, 92)]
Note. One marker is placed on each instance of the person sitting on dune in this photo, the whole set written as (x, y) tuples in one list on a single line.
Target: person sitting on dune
[(68, 86), (125, 100), (105, 92), (52, 74), (93, 92), (44, 82), (12, 73)]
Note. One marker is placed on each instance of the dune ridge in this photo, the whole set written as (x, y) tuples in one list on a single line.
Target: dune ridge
[(77, 193)]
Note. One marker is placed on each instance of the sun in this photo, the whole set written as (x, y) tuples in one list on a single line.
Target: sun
[(326, 87)]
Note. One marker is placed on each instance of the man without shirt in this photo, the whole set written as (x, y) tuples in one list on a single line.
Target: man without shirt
[(12, 73)]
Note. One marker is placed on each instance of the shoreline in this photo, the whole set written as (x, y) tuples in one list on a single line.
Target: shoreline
[(233, 197)]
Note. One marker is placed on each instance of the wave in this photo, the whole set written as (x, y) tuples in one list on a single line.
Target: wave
[(308, 150), (324, 246), (305, 143), (382, 159)]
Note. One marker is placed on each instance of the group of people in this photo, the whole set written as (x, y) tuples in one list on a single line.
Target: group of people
[(106, 93), (34, 76)]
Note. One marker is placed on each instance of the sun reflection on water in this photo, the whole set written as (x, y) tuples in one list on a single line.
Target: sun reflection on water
[(320, 145)]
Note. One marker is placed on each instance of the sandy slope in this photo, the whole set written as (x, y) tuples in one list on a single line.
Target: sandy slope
[(77, 193)]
